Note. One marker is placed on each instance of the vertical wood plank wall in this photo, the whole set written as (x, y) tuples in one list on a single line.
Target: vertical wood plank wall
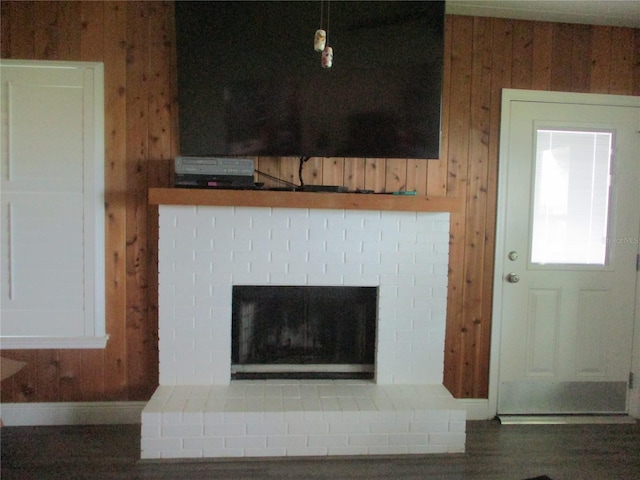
[(135, 40)]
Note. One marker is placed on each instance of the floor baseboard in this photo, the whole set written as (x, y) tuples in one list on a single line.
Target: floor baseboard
[(71, 413), (565, 419), (107, 413), (477, 408)]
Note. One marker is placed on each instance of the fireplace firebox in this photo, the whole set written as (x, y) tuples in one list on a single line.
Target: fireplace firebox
[(303, 332)]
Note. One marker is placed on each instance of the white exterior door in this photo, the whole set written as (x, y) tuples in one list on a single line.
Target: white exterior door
[(566, 255)]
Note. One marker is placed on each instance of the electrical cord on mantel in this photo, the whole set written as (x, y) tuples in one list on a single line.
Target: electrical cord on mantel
[(302, 160)]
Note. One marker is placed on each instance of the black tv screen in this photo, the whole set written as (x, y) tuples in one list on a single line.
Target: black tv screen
[(250, 82)]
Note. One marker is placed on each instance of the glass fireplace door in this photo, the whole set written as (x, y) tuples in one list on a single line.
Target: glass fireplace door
[(303, 332)]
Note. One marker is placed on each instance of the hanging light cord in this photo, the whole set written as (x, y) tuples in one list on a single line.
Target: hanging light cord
[(322, 17), (303, 160), (328, 18)]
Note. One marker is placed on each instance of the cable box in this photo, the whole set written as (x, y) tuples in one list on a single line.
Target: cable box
[(186, 165)]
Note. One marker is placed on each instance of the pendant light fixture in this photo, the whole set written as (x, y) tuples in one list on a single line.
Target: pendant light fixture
[(321, 38)]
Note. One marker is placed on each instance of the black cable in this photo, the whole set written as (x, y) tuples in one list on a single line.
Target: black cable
[(303, 160), (277, 179)]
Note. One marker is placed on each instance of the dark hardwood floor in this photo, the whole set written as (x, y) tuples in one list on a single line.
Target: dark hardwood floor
[(498, 452)]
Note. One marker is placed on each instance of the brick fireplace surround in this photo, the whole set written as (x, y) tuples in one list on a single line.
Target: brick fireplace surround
[(212, 240)]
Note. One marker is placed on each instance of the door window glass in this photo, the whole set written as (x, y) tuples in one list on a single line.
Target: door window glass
[(571, 197)]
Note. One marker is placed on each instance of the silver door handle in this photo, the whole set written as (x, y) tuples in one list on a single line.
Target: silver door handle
[(513, 277)]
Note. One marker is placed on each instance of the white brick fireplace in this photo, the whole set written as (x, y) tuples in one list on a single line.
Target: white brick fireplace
[(198, 411)]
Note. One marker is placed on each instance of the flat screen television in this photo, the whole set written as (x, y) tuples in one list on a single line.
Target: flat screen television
[(250, 82)]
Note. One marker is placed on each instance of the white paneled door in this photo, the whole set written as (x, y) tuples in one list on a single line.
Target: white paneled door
[(566, 254), (52, 169)]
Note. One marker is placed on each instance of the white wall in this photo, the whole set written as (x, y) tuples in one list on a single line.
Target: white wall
[(204, 251)]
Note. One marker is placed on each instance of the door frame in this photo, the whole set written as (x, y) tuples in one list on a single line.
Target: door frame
[(508, 96)]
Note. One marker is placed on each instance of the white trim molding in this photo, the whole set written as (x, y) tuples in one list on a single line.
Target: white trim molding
[(476, 408), (71, 413), (25, 343)]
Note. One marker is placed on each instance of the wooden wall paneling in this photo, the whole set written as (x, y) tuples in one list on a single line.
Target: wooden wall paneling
[(89, 375), (91, 369), (7, 387), (268, 167), (69, 30), (395, 174), (167, 79), (91, 31), (501, 70), (333, 171), (115, 66), (476, 371), (22, 386), (290, 166), (163, 147), (458, 159), (375, 174), (137, 183), (437, 170), (5, 30), (22, 15), (417, 171), (436, 176), (522, 65), (134, 39), (621, 57), (460, 101), (70, 381), (501, 60), (173, 88), (454, 367), (561, 57), (46, 31), (315, 167), (541, 56), (581, 58), (26, 378), (600, 59), (47, 385), (143, 378), (354, 173)]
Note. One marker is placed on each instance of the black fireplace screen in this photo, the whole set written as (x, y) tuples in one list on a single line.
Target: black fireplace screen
[(303, 332)]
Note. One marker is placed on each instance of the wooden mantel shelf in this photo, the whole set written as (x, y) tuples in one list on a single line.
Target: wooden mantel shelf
[(287, 199)]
